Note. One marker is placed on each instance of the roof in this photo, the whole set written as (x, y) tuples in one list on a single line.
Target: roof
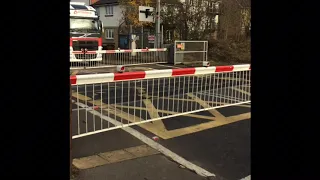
[(81, 10), (81, 7), (103, 2)]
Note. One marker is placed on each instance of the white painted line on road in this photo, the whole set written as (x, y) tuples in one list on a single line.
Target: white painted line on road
[(79, 109), (155, 145), (246, 178)]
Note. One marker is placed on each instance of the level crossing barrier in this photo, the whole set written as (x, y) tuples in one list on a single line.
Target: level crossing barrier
[(135, 98), (85, 59)]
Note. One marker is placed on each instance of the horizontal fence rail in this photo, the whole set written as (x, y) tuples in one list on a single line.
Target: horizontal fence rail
[(134, 98), (107, 58)]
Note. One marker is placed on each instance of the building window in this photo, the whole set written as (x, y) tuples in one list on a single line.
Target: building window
[(109, 33), (191, 2), (109, 10)]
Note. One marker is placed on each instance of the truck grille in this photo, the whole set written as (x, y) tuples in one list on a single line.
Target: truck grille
[(90, 45), (86, 56)]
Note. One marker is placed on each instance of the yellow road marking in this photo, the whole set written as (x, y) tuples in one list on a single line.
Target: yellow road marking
[(243, 105), (165, 134), (153, 114), (127, 116), (189, 115), (158, 128), (103, 105), (200, 127), (80, 96), (221, 103), (242, 91), (75, 72), (142, 92), (152, 111), (239, 117), (170, 98), (165, 111), (204, 104)]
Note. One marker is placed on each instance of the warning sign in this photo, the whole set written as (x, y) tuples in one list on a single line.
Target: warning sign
[(151, 38), (180, 46)]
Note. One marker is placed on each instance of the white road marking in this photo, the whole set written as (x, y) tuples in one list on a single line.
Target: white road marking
[(79, 109), (155, 145)]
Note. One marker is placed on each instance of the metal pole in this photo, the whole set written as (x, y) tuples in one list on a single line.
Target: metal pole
[(206, 50), (70, 138), (161, 43), (216, 19), (130, 32), (158, 23), (174, 52), (142, 38)]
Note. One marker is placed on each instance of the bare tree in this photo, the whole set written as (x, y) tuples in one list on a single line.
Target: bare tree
[(195, 19), (235, 18), (130, 11)]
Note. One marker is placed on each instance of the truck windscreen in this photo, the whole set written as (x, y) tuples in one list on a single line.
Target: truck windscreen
[(83, 25)]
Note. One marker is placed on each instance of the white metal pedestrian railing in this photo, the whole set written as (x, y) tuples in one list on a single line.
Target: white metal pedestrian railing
[(134, 98), (190, 51)]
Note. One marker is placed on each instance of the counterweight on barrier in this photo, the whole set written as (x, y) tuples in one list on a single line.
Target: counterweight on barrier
[(135, 98)]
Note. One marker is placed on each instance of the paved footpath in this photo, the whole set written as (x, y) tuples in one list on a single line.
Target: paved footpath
[(155, 167)]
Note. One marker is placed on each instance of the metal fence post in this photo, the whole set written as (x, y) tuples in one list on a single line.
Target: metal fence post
[(207, 48), (174, 52), (142, 37), (70, 136), (84, 57)]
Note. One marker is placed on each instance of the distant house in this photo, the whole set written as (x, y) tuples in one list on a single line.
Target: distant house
[(116, 30), (110, 14)]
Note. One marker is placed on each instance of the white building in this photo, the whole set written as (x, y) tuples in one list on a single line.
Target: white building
[(110, 14)]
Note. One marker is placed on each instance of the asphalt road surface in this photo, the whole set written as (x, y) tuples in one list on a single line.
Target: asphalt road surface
[(145, 168), (222, 149)]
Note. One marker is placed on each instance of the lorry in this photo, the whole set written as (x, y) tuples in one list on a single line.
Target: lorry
[(85, 32)]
